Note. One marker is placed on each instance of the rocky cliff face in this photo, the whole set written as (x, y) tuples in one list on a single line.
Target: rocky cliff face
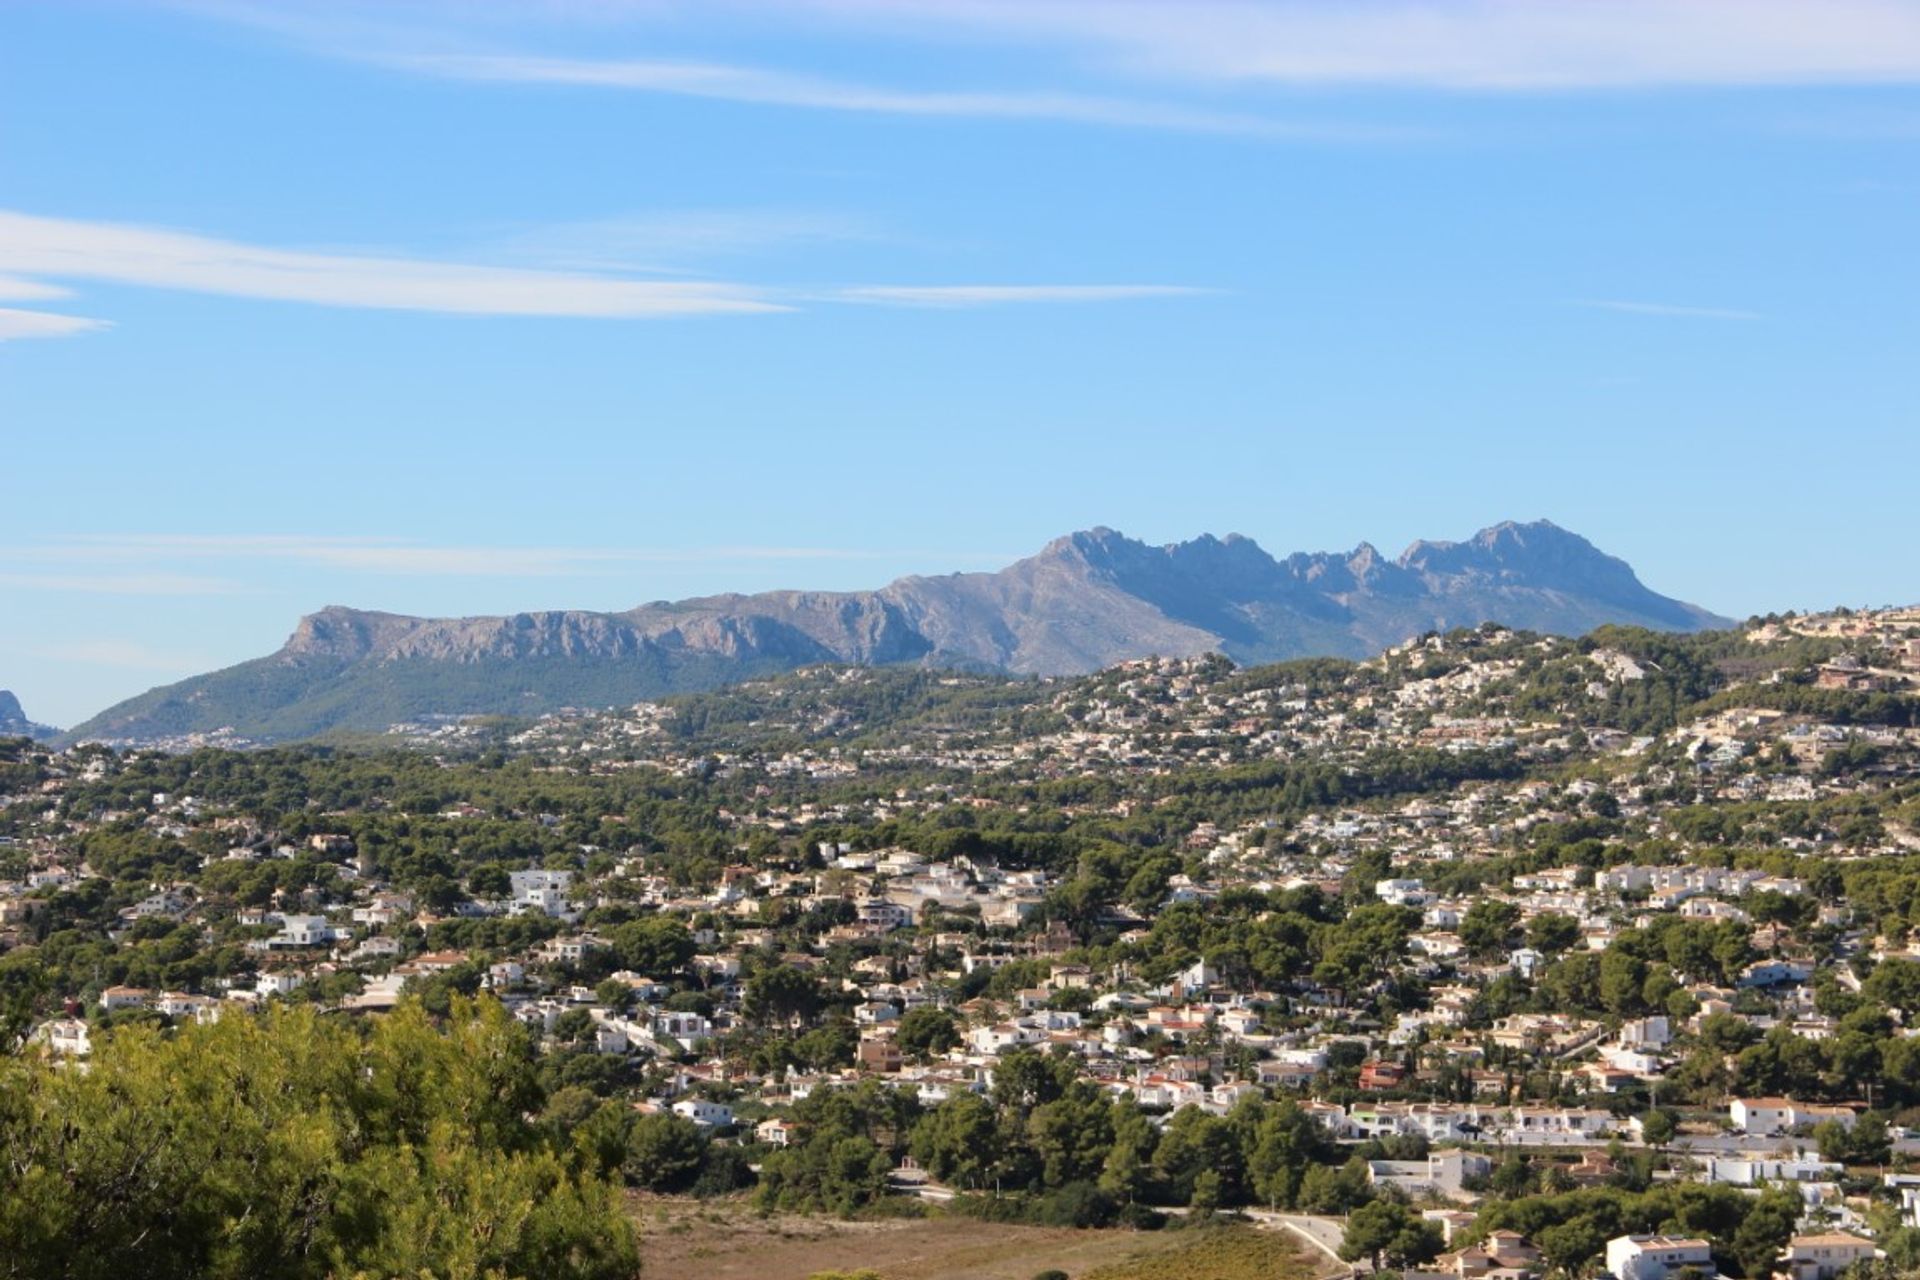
[(1084, 602), (799, 626)]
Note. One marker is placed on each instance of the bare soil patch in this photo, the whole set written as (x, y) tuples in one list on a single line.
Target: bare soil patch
[(692, 1240)]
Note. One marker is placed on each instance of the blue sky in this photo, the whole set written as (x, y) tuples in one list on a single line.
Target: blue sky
[(479, 307)]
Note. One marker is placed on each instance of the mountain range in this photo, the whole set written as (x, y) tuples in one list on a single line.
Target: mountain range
[(1085, 601)]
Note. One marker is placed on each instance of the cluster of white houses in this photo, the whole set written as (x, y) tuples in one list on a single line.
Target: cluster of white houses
[(1819, 1256)]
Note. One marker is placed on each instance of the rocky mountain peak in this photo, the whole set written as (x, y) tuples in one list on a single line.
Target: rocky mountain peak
[(1096, 548), (337, 631), (1508, 546)]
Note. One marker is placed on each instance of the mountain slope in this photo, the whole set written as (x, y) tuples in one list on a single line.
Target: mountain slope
[(14, 722), (1085, 601)]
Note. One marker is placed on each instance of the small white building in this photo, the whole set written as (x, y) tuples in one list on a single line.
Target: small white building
[(1656, 1257), (1742, 1171), (67, 1037), (1442, 1173), (873, 1013), (541, 891), (1768, 1116), (1824, 1256), (689, 1029), (1774, 973), (712, 1115), (568, 949), (1401, 893), (179, 1004), (1655, 1032), (303, 931), (279, 983), (1002, 1036), (1197, 976), (878, 913)]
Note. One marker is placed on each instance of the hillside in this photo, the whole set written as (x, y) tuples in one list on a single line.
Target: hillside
[(1084, 602)]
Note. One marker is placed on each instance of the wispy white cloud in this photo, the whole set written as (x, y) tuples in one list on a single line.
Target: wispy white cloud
[(1482, 45), (68, 249), (529, 562), (990, 295), (1666, 309), (13, 289), (664, 243), (15, 323), (1445, 44), (357, 554), (121, 584), (777, 88)]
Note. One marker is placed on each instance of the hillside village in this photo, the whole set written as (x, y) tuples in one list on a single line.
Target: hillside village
[(1506, 920)]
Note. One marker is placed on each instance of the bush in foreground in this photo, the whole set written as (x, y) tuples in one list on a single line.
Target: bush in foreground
[(299, 1145)]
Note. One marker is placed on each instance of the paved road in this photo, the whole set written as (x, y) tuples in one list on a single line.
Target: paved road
[(915, 1182), (1741, 1144), (1324, 1234)]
